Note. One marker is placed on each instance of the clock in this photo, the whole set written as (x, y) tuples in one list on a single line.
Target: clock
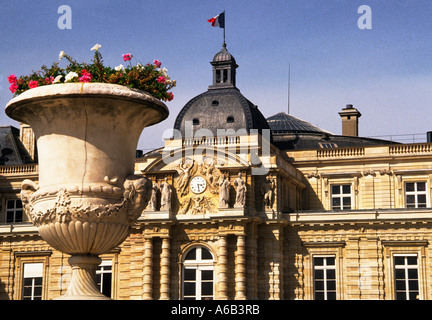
[(198, 184)]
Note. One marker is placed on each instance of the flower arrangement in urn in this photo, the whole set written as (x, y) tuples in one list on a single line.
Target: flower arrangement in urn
[(150, 77)]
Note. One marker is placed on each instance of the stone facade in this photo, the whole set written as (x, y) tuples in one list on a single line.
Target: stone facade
[(258, 251)]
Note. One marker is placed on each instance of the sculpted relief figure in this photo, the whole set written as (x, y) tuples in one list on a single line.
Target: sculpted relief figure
[(166, 195), (267, 191), (240, 192), (154, 197), (224, 186)]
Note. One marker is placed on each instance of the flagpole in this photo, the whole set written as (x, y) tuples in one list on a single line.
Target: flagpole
[(224, 27)]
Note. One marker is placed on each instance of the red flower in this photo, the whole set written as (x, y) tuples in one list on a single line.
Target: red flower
[(49, 80), (33, 84), (127, 57), (170, 96), (86, 76), (161, 79), (12, 78), (157, 63), (13, 87)]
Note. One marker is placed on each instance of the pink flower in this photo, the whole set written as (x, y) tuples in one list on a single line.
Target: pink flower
[(49, 80), (86, 76), (33, 84), (170, 96), (12, 78), (127, 56), (157, 63), (13, 87), (161, 79)]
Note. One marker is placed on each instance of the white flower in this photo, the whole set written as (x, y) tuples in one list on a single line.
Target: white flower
[(57, 79), (70, 76), (119, 67), (140, 66), (164, 72), (61, 54), (96, 47)]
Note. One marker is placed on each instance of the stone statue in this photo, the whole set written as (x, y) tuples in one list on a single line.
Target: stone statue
[(267, 191), (166, 196), (154, 197), (224, 186), (240, 192)]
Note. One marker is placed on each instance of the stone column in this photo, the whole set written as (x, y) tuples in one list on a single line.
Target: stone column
[(240, 269), (223, 268), (165, 270), (148, 269)]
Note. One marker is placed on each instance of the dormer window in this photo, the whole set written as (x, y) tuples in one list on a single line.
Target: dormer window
[(230, 119), (215, 103), (195, 121)]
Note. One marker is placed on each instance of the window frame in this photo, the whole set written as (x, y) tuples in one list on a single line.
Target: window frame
[(199, 265), (325, 268), (415, 193), (101, 272), (405, 267), (13, 210), (33, 284), (342, 195)]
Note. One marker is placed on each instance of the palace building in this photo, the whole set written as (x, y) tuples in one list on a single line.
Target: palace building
[(245, 207)]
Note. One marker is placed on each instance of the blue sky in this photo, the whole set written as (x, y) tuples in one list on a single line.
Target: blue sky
[(385, 71)]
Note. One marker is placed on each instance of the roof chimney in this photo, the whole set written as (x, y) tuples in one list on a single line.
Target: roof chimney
[(350, 116)]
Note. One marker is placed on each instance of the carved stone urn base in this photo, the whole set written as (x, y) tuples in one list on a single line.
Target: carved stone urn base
[(83, 283)]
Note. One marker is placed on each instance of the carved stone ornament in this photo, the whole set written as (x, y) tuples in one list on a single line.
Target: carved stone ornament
[(88, 197)]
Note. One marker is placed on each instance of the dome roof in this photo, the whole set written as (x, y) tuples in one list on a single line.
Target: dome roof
[(282, 123), (223, 55)]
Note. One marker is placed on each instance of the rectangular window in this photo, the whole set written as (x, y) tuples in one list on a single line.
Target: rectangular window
[(32, 281), (341, 196), (406, 277), (416, 194), (14, 211), (104, 277), (324, 277)]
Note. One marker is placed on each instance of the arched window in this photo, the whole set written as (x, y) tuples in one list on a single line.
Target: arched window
[(198, 274)]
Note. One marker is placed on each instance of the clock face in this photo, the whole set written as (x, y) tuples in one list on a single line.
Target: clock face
[(198, 184)]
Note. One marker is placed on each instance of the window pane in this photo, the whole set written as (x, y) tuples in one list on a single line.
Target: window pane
[(331, 285), (400, 285), (18, 204), (331, 274), (207, 275), (319, 274), (409, 186), (413, 285), (401, 296), (189, 288), (319, 261), (399, 261), (106, 290), (335, 189), (191, 255), (190, 274), (336, 203), (11, 204), (400, 274), (205, 254), (346, 189), (18, 216), (347, 202), (412, 260), (330, 261), (207, 288), (412, 274), (319, 295), (319, 285), (421, 186), (413, 295), (331, 295), (421, 200)]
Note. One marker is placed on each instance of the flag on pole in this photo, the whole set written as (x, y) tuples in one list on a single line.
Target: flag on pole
[(218, 21)]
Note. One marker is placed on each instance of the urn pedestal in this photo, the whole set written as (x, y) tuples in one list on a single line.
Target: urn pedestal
[(88, 197)]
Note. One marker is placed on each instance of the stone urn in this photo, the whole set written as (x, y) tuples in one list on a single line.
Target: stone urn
[(88, 197)]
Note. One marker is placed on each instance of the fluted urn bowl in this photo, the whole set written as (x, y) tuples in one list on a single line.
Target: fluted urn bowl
[(88, 197)]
